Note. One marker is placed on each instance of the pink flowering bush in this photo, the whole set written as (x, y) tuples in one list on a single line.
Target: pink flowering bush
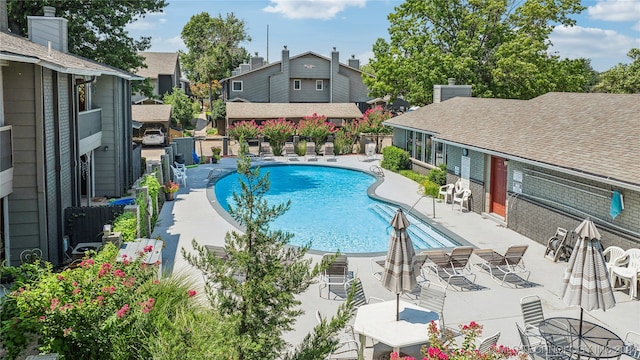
[(443, 346), (243, 130), (278, 131), (316, 129)]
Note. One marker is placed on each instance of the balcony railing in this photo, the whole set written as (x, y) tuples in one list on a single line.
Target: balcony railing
[(89, 123), (6, 148)]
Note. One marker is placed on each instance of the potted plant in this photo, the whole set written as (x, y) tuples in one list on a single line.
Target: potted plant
[(170, 189), (215, 154)]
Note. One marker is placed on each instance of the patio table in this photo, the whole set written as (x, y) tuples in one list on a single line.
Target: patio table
[(378, 321), (595, 341)]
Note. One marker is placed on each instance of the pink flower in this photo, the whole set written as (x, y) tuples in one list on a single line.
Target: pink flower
[(54, 304), (67, 331), (123, 311), (192, 293), (75, 283), (156, 281), (148, 248), (60, 277), (119, 273), (75, 291), (42, 318)]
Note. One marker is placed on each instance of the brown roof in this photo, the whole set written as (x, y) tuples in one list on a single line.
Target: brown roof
[(249, 111), (16, 48), (151, 113), (158, 63), (596, 134)]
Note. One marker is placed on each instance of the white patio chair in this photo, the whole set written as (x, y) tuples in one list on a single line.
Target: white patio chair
[(628, 271), (487, 343), (446, 191), (632, 344), (179, 176), (611, 255), (532, 313), (461, 197)]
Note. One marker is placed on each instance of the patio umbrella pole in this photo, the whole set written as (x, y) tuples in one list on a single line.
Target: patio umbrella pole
[(397, 307), (580, 331)]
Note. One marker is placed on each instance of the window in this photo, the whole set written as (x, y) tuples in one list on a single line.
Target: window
[(297, 84), (319, 85), (236, 86)]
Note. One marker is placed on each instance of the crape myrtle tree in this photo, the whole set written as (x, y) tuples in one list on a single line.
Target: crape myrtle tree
[(254, 287), (213, 48), (501, 47), (97, 28)]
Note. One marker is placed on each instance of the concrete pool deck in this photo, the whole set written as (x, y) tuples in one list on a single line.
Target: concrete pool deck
[(496, 307)]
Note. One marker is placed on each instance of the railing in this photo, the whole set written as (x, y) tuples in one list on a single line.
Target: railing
[(6, 148), (89, 123)]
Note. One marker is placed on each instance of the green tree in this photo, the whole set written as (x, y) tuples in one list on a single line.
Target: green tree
[(213, 47), (622, 78), (372, 123), (498, 46), (218, 111), (181, 106), (96, 27), (257, 283)]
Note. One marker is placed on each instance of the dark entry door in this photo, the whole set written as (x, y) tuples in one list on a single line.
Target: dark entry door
[(498, 196)]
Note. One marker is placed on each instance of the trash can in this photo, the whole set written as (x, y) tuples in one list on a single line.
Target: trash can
[(225, 145), (179, 158)]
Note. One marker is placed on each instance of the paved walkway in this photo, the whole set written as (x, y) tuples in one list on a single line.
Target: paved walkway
[(495, 306)]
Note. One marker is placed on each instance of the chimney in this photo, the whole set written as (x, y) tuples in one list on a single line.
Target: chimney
[(354, 63), (285, 61), (451, 90), (256, 61), (4, 19), (451, 81), (48, 29)]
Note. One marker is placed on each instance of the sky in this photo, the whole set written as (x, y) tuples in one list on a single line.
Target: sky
[(604, 32)]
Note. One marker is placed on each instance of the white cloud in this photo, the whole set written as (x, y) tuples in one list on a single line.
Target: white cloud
[(605, 48), (150, 21), (615, 10), (311, 9)]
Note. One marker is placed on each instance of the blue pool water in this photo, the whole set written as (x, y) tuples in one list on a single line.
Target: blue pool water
[(331, 209)]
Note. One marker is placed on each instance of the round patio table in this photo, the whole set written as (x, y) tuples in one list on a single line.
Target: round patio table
[(594, 341)]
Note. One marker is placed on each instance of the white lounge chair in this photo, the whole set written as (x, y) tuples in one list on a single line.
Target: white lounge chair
[(290, 150), (328, 152), (337, 274), (500, 266), (265, 151)]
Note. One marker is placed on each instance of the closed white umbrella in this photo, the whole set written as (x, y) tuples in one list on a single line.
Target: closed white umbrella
[(586, 280), (398, 275)]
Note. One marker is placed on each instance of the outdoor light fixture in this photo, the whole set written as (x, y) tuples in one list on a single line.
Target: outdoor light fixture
[(105, 148), (506, 162), (465, 152)]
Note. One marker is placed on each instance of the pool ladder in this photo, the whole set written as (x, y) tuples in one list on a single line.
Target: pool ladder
[(418, 230)]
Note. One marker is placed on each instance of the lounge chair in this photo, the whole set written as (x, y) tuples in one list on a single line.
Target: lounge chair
[(265, 151), (290, 150), (310, 154), (328, 153), (627, 269), (449, 266), (249, 154), (500, 266), (532, 313), (557, 246), (336, 274)]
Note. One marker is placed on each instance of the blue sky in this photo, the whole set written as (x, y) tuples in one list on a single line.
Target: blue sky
[(604, 32)]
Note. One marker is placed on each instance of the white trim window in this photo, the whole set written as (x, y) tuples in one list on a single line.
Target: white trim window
[(297, 84), (236, 85), (319, 85)]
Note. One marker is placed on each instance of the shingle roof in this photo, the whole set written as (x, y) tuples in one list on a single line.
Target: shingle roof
[(158, 63), (248, 111), (151, 113), (597, 134), (15, 48)]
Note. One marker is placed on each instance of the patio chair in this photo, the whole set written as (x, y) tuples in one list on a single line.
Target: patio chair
[(347, 348), (500, 266), (290, 150), (487, 343), (627, 269), (461, 197), (611, 255), (557, 246), (432, 298), (538, 349), (532, 313), (328, 152), (359, 297), (452, 265), (337, 273), (370, 152), (632, 344), (310, 154), (249, 154), (265, 151), (179, 176), (446, 191)]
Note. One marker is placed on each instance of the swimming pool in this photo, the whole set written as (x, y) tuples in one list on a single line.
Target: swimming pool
[(331, 209)]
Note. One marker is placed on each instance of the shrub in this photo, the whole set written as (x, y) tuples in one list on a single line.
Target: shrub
[(395, 159), (417, 177), (127, 224), (243, 130), (316, 129), (301, 148), (278, 131), (438, 175), (429, 188)]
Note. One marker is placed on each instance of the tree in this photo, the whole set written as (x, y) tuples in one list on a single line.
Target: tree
[(181, 106), (501, 47), (372, 123), (622, 78), (256, 284), (96, 27), (213, 47)]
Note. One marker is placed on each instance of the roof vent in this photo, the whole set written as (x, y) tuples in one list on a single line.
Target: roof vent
[(49, 11)]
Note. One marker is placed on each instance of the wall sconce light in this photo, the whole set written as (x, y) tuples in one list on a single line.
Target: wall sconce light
[(105, 148), (506, 162), (465, 152)]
